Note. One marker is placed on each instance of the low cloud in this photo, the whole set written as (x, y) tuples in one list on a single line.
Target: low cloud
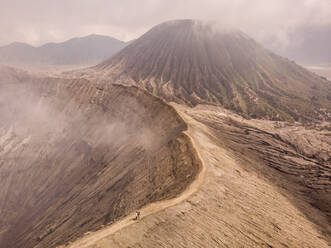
[(40, 21)]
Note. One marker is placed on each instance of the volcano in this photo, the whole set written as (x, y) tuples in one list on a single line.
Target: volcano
[(147, 130), (193, 62)]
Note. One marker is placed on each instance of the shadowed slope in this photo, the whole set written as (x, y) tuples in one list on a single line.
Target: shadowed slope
[(192, 62), (75, 156)]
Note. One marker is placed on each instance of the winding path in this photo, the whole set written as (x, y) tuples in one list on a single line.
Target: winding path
[(92, 237)]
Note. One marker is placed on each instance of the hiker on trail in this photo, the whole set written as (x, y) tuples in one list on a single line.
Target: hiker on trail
[(137, 215)]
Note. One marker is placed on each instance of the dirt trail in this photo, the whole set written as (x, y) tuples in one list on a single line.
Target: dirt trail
[(93, 237), (234, 207)]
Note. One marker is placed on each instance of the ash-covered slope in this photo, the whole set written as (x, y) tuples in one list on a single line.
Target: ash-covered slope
[(75, 156), (193, 62)]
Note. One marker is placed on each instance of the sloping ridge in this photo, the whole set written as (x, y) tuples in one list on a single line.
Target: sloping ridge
[(193, 62), (76, 156)]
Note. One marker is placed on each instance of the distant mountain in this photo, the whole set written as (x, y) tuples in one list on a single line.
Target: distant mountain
[(192, 62), (77, 51)]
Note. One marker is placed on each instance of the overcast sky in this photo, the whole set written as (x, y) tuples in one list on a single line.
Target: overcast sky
[(40, 21)]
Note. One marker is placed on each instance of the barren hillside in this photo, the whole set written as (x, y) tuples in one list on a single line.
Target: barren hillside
[(75, 156)]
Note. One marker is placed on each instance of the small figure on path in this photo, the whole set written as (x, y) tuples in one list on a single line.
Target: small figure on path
[(137, 215)]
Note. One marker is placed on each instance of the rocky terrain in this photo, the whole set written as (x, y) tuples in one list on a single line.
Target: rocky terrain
[(299, 156), (75, 156)]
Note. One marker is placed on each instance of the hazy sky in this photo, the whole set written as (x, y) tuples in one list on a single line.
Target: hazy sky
[(40, 21)]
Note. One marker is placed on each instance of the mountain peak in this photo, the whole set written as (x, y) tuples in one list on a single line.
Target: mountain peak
[(196, 27)]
